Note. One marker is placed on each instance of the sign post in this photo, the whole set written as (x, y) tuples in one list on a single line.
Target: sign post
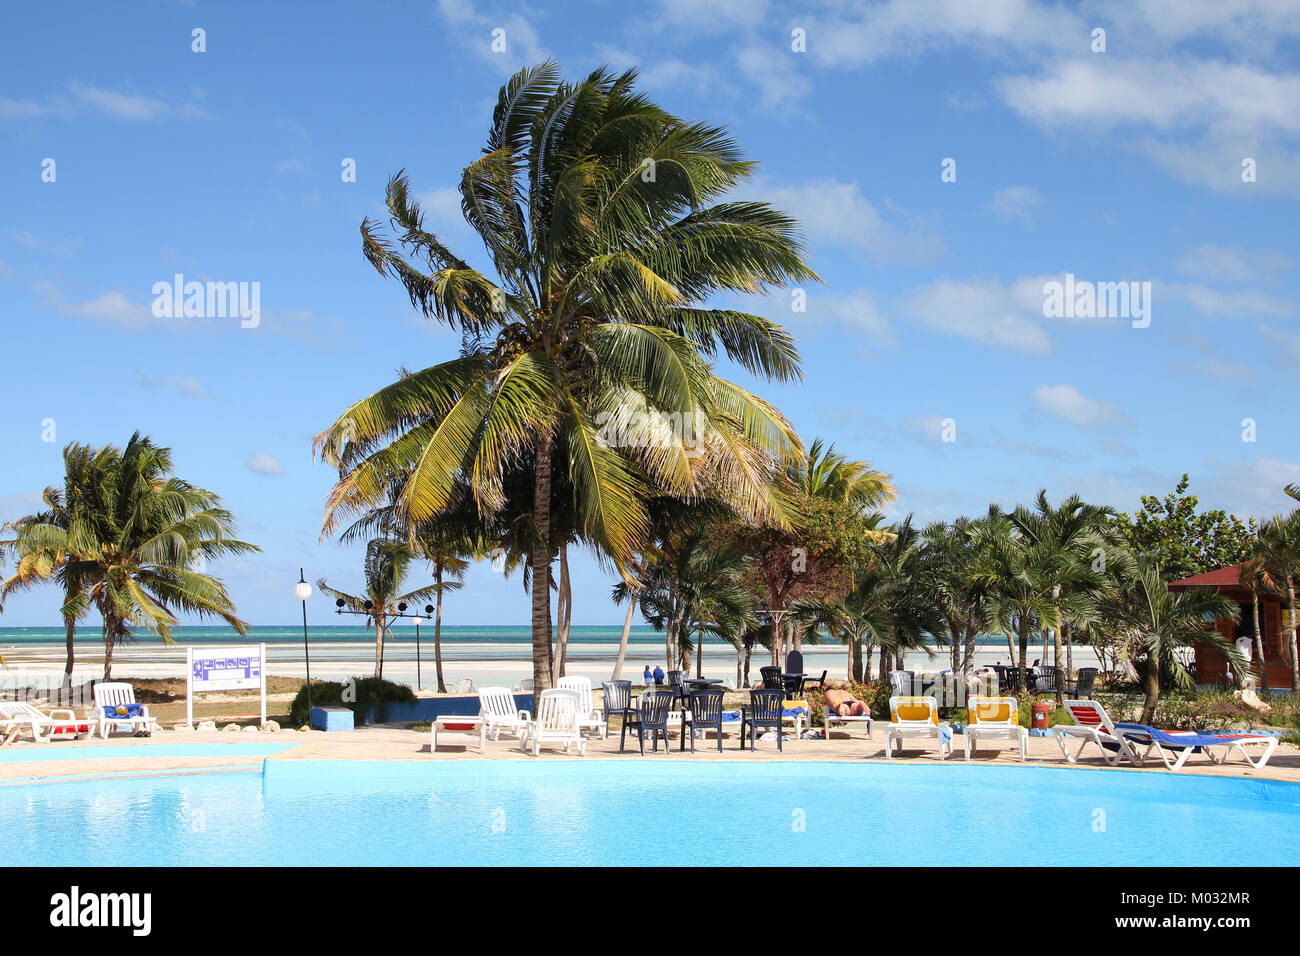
[(224, 668)]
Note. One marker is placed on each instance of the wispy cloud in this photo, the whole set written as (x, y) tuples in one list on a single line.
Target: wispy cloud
[(1016, 204), (264, 464), (985, 310), (185, 385), (80, 99), (1070, 405)]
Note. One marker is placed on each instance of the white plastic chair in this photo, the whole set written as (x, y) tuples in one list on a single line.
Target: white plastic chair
[(120, 695), (589, 718), (994, 718), (915, 717), (496, 705), (15, 716), (466, 686), (556, 723)]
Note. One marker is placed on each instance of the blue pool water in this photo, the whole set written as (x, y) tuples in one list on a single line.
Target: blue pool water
[(499, 812)]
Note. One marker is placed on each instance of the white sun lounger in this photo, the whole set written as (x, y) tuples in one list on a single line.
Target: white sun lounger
[(1092, 725), (499, 712), (589, 718), (1175, 746), (17, 716), (994, 718), (556, 723), (916, 717)]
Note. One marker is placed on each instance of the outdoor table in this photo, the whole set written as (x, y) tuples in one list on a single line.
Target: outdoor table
[(450, 723)]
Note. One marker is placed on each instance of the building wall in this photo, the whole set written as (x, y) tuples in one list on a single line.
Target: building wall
[(1212, 666)]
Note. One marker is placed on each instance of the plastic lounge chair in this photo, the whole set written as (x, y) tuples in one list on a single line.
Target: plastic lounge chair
[(766, 709), (901, 683), (994, 718), (1092, 725), (588, 717), (556, 723), (650, 718), (916, 717), (706, 714), (496, 705), (617, 699), (115, 696), (15, 717), (1175, 746), (847, 720)]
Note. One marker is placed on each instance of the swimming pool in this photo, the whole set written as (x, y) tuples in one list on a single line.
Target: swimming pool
[(69, 751), (501, 812)]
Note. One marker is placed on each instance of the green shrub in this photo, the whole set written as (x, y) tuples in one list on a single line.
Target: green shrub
[(366, 697)]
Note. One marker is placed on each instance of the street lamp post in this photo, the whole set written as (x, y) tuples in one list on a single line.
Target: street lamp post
[(302, 591), (419, 680)]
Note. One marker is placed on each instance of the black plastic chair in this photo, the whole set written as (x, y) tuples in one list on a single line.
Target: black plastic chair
[(1009, 680), (815, 681), (794, 662), (772, 678), (706, 713), (764, 710), (678, 688), (1042, 679), (650, 718), (618, 699), (1082, 687)]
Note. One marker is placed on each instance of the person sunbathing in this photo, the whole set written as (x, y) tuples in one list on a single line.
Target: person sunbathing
[(844, 704)]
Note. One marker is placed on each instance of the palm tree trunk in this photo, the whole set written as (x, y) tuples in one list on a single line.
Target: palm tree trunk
[(541, 567), (699, 650), (1024, 652), (565, 607), (1295, 660), (110, 639), (1151, 685), (622, 641), (1057, 662), (379, 647), (1069, 652), (437, 629), (855, 659), (71, 625), (1259, 645)]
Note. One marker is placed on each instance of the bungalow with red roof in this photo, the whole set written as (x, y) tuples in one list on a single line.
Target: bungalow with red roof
[(1211, 665)]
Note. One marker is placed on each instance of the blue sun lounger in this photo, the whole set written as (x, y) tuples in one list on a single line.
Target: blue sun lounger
[(1175, 746)]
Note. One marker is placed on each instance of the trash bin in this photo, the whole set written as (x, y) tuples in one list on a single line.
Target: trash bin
[(1041, 713)]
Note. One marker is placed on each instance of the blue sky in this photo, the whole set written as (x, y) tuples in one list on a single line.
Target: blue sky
[(224, 165)]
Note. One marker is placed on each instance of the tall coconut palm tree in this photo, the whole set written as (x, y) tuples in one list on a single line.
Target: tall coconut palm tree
[(1160, 623), (137, 543), (602, 217), (387, 565)]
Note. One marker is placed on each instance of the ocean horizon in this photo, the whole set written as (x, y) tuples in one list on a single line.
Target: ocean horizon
[(333, 634)]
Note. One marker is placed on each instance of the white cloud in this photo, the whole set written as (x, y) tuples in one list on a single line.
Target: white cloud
[(986, 311), (1070, 405), (185, 385), (721, 15), (1232, 263), (474, 29), (124, 106), (837, 213), (1229, 303), (855, 311), (774, 69), (1018, 203), (113, 307), (264, 464)]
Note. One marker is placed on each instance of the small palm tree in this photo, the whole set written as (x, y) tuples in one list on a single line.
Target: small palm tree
[(41, 539), (387, 565), (1254, 577), (449, 554), (1160, 623), (136, 544)]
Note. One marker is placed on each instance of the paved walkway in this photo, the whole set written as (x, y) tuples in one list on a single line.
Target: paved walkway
[(396, 743)]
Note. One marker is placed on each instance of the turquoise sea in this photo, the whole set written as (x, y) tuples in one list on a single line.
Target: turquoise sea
[(334, 634)]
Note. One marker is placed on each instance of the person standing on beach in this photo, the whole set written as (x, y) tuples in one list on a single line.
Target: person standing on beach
[(647, 677), (659, 676)]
